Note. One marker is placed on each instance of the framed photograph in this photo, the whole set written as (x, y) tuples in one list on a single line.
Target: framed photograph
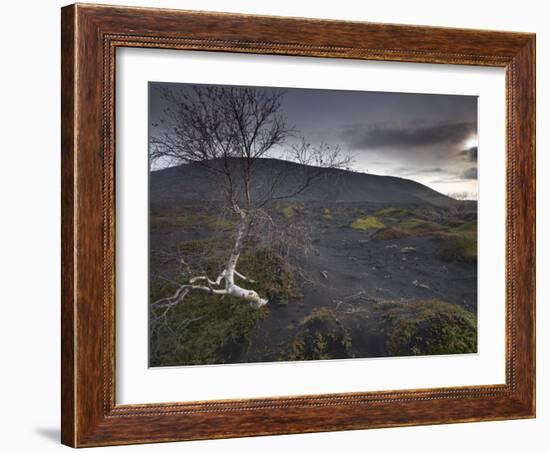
[(280, 225)]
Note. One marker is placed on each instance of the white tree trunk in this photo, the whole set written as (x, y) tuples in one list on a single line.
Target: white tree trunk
[(231, 270), (227, 277)]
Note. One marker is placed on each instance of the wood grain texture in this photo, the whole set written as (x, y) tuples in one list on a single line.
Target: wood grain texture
[(67, 226), (90, 36)]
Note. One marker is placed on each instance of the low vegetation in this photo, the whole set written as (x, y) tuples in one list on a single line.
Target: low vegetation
[(458, 238), (273, 279), (460, 243), (291, 210), (327, 214), (320, 335), (388, 233), (431, 327), (198, 329), (200, 220), (366, 223), (416, 226), (455, 222), (393, 212), (409, 227), (459, 249), (206, 329)]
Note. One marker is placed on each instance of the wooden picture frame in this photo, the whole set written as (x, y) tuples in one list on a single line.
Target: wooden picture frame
[(90, 36)]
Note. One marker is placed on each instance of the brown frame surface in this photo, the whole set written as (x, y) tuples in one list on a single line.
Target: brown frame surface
[(90, 36)]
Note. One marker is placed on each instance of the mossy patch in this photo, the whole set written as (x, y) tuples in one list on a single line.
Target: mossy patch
[(198, 328), (393, 212), (291, 210), (431, 327), (455, 222), (466, 228), (327, 214), (206, 328), (407, 228), (199, 220), (416, 226), (460, 243), (273, 279), (200, 246), (161, 220), (320, 335), (364, 224), (389, 233)]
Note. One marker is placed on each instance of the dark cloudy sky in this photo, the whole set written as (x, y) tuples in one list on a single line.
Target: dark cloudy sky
[(429, 138)]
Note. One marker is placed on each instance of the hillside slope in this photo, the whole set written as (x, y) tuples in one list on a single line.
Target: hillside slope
[(193, 182)]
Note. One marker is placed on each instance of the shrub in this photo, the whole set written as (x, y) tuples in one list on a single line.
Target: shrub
[(431, 327), (320, 336), (273, 279)]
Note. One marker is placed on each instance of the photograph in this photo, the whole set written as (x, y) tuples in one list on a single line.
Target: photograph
[(292, 224)]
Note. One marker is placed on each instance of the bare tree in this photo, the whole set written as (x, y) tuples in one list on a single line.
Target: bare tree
[(459, 195), (461, 209), (228, 131)]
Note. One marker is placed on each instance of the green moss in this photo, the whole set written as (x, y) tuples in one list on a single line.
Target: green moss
[(460, 243), (224, 224), (388, 234), (407, 228), (416, 226), (273, 279), (320, 335), (168, 221), (394, 212), (198, 246), (200, 327), (327, 214), (459, 249), (220, 326), (454, 222), (466, 228), (322, 314), (291, 210), (199, 220), (364, 224), (431, 327)]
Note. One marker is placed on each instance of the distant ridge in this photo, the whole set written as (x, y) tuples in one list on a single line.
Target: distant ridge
[(193, 182)]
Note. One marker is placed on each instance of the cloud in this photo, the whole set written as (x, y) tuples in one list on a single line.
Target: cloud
[(384, 136), (470, 173), (409, 171), (447, 181), (470, 154), (431, 170)]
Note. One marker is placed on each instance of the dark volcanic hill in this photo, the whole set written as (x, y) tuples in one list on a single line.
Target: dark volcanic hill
[(193, 182)]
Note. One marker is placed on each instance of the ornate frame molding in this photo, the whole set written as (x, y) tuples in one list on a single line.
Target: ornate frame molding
[(90, 37)]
